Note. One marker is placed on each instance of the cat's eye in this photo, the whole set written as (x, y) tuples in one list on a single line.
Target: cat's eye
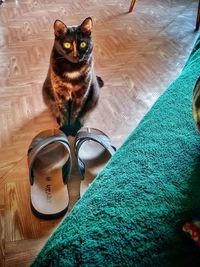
[(67, 45), (82, 44)]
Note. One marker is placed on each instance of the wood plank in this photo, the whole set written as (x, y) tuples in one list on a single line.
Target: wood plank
[(2, 238), (22, 253)]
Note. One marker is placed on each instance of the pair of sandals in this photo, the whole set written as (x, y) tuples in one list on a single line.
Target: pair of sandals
[(50, 162)]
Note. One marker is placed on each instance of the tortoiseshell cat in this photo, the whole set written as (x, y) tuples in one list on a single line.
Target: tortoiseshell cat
[(71, 88)]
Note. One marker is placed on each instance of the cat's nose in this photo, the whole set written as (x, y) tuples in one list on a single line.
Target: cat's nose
[(74, 50), (76, 59), (75, 55)]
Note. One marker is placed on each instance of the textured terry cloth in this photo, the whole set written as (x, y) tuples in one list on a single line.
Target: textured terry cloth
[(132, 215)]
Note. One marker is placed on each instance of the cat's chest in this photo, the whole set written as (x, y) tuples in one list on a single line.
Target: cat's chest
[(65, 90)]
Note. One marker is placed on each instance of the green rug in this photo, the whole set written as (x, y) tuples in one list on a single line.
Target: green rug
[(133, 213)]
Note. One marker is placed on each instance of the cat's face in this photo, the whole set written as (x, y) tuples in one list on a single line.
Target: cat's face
[(73, 43)]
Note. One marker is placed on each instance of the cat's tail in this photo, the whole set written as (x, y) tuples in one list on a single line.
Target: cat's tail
[(100, 81)]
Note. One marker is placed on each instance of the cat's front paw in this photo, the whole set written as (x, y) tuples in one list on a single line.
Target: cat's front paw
[(71, 129)]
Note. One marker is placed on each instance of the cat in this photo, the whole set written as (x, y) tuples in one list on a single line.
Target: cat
[(196, 104), (71, 88)]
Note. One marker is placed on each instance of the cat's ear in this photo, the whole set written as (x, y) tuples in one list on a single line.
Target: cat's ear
[(59, 28), (86, 25)]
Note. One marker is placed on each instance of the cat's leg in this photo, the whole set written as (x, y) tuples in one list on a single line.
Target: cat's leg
[(91, 101), (70, 125), (51, 103)]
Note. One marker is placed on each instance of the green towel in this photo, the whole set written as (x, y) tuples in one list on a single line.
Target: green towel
[(133, 213)]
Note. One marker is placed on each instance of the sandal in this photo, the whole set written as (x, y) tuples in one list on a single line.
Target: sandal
[(49, 161), (93, 149)]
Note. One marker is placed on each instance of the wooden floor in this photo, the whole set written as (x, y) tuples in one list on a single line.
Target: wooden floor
[(138, 55)]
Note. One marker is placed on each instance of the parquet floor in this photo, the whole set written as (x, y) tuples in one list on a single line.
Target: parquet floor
[(138, 55)]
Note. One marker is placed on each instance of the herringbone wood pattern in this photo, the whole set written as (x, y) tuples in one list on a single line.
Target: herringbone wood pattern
[(137, 54)]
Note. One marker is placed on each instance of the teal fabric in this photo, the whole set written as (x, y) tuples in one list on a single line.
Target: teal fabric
[(133, 213)]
